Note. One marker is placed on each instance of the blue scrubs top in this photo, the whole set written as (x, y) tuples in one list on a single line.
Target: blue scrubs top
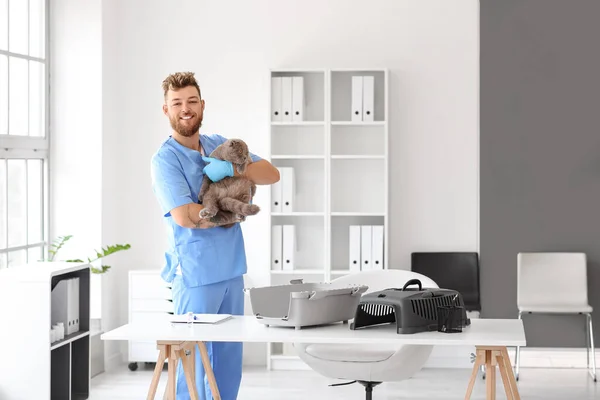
[(205, 256)]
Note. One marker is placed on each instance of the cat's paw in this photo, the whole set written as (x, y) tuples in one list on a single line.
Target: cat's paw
[(250, 209), (240, 217), (207, 213)]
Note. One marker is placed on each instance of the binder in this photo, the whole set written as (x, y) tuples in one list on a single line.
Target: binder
[(76, 295), (287, 192), (276, 247), (286, 98), (72, 306), (357, 98), (59, 308), (289, 246), (297, 98), (354, 247), (377, 247), (276, 196), (365, 248), (276, 99), (368, 98)]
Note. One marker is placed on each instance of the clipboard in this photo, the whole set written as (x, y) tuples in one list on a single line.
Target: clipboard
[(200, 318)]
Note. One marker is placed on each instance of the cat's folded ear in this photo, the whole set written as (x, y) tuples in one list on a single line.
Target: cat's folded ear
[(218, 152)]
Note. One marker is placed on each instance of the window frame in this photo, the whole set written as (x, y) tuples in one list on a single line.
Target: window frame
[(27, 147)]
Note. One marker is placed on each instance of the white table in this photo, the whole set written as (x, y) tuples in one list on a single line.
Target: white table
[(490, 336)]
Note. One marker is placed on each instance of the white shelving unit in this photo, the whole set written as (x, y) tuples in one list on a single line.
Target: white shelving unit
[(32, 367), (340, 175)]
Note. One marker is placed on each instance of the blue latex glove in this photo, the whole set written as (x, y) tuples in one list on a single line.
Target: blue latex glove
[(217, 169)]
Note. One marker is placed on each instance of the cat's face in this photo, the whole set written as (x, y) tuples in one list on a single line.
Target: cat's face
[(236, 151)]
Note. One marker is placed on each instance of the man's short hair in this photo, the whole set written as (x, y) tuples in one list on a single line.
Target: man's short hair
[(179, 80)]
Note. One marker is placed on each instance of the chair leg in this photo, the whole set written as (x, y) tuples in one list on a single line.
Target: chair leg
[(369, 388), (590, 334), (518, 355)]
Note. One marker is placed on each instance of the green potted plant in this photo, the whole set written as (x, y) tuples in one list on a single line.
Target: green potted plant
[(106, 251)]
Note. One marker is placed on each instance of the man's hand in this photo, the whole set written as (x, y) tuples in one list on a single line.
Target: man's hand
[(217, 169)]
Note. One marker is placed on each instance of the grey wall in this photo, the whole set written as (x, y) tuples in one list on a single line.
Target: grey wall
[(540, 150)]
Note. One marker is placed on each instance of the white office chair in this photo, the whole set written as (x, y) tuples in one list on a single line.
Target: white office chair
[(555, 283), (373, 364)]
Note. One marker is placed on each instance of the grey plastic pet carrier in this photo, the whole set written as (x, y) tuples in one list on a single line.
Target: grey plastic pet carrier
[(412, 310), (304, 304)]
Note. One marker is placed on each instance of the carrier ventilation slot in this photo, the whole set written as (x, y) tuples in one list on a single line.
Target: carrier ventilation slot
[(377, 310), (427, 308)]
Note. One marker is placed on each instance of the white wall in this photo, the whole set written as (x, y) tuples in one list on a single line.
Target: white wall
[(430, 47), (81, 171)]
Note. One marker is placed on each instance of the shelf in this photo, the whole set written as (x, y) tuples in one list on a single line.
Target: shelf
[(332, 151), (297, 157), (298, 139), (298, 214), (357, 214), (360, 123), (307, 178), (298, 123), (341, 96), (358, 157), (312, 85), (298, 272), (68, 339), (346, 177), (358, 140)]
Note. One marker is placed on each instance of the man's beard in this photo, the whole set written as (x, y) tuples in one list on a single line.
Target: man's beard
[(185, 130)]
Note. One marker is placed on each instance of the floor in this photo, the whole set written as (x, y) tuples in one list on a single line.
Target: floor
[(447, 384)]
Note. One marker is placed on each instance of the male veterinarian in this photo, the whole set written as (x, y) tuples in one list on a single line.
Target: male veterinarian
[(205, 263)]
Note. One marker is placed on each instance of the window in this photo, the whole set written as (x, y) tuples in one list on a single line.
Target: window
[(24, 142)]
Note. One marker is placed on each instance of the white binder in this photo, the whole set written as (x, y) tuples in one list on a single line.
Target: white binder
[(286, 98), (368, 98), (297, 98), (276, 194), (276, 99), (287, 183), (357, 98), (365, 248), (72, 306), (377, 247), (276, 247), (289, 246), (76, 304), (59, 300), (354, 247)]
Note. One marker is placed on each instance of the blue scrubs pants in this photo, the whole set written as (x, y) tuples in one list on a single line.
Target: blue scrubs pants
[(226, 358)]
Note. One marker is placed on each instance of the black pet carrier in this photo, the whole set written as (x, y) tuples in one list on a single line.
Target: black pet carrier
[(412, 310)]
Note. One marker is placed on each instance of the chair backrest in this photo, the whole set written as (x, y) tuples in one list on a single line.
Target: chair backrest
[(384, 279), (452, 270), (552, 279)]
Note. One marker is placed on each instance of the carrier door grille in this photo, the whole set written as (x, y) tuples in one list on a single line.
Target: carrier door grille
[(377, 310), (427, 308)]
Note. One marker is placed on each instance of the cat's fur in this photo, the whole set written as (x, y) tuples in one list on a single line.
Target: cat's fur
[(227, 201)]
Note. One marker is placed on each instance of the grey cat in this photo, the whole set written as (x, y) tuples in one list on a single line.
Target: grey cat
[(226, 202)]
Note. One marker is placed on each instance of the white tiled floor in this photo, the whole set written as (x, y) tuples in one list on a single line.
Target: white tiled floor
[(447, 384)]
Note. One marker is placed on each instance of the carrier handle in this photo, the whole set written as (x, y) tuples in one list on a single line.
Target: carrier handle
[(316, 295), (413, 282)]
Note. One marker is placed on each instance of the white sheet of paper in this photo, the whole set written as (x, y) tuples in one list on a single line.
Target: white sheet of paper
[(201, 318)]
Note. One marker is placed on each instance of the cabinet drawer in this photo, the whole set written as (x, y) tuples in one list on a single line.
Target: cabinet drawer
[(160, 305), (149, 287)]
